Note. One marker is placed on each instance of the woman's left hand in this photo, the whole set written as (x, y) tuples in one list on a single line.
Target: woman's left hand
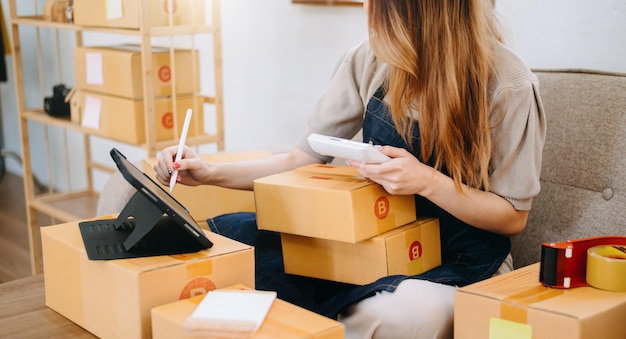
[(404, 174)]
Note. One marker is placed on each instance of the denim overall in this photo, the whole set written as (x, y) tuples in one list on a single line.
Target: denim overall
[(468, 254)]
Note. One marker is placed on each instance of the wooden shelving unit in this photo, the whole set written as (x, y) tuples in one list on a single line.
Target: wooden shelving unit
[(81, 204)]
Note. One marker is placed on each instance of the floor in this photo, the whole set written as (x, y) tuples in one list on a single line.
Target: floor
[(14, 260)]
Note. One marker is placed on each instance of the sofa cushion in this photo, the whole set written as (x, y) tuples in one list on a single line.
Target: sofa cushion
[(583, 177)]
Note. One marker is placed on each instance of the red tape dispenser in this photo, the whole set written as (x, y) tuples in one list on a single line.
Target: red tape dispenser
[(564, 264)]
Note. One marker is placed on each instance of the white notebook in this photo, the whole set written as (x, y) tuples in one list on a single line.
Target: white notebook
[(229, 313)]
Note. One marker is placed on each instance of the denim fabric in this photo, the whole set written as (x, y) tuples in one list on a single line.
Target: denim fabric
[(468, 254), (312, 294)]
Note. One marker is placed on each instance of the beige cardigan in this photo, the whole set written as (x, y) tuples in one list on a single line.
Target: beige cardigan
[(518, 134)]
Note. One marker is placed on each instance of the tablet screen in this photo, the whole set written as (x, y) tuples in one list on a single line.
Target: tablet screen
[(159, 196)]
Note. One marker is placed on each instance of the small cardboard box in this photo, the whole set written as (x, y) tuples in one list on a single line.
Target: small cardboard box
[(207, 201), (517, 305), (117, 70), (123, 119), (127, 13), (113, 299), (54, 10), (409, 250), (329, 202), (284, 320)]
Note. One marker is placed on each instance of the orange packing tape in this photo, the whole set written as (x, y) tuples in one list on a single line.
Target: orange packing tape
[(606, 267), (564, 264)]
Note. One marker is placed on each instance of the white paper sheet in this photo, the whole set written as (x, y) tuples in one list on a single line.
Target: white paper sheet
[(91, 112), (235, 313), (93, 63), (114, 9)]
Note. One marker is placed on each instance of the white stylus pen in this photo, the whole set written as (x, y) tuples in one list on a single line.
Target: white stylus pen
[(181, 145)]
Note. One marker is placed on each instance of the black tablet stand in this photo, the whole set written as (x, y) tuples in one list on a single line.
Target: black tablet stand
[(141, 229)]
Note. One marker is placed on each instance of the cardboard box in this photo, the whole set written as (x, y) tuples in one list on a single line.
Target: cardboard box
[(284, 320), (410, 249), (207, 201), (123, 119), (113, 299), (117, 70), (127, 13), (54, 10), (517, 305), (329, 202)]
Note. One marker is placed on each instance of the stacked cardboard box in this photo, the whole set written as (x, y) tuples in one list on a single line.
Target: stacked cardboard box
[(126, 13), (110, 89), (113, 298), (116, 70), (337, 225)]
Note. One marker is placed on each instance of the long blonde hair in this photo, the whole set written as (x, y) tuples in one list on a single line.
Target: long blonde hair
[(441, 59)]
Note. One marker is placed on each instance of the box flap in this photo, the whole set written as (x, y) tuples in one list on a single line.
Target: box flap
[(322, 177)]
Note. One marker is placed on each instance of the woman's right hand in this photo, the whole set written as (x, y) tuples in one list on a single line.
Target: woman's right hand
[(192, 170)]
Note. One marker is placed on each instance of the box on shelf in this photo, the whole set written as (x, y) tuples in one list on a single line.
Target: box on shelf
[(54, 10), (123, 119), (113, 299), (206, 201), (409, 250), (329, 202), (127, 13), (517, 305), (117, 70), (284, 320)]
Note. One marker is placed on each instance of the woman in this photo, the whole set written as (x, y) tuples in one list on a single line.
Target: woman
[(461, 118)]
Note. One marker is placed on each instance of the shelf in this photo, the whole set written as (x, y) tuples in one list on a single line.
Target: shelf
[(38, 21), (39, 115), (67, 207), (81, 205)]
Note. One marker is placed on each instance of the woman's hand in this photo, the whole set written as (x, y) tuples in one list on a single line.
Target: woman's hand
[(404, 174), (192, 170)]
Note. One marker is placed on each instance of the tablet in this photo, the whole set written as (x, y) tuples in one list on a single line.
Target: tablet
[(152, 222)]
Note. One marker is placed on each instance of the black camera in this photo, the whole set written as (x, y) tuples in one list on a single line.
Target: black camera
[(56, 105)]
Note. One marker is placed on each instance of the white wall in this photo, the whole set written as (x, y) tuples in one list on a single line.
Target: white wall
[(567, 33), (279, 56), (277, 59)]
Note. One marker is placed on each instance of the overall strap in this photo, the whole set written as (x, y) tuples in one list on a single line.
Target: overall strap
[(380, 92)]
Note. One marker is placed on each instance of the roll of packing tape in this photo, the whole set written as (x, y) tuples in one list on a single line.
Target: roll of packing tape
[(606, 267)]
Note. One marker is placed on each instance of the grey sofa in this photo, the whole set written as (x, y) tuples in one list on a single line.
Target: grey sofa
[(583, 177)]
